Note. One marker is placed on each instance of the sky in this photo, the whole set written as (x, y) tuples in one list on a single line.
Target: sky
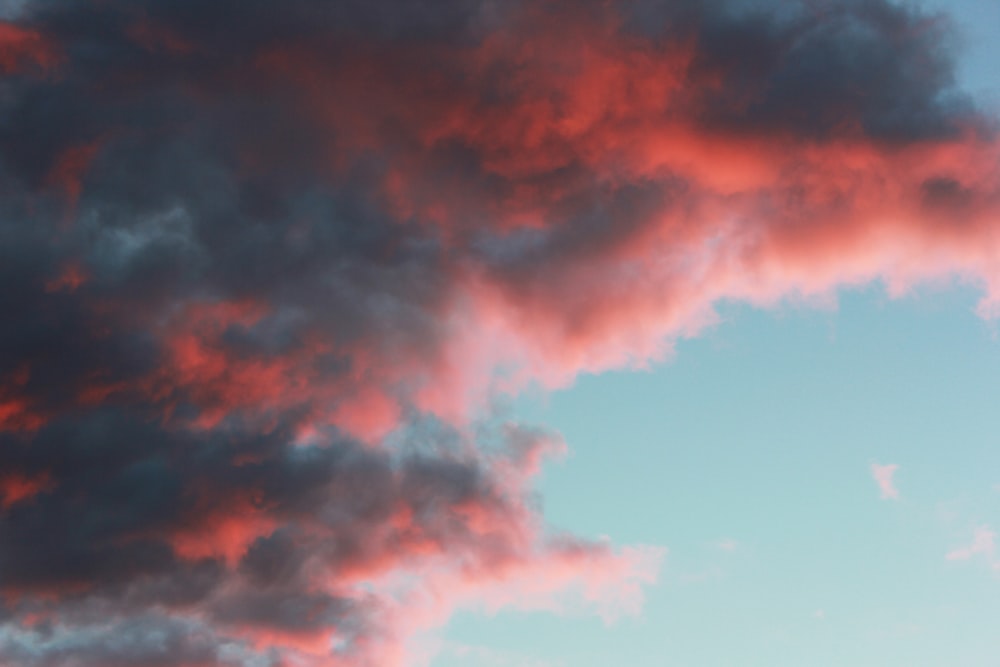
[(525, 334)]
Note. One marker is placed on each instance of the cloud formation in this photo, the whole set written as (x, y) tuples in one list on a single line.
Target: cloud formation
[(265, 268), (983, 544), (883, 475)]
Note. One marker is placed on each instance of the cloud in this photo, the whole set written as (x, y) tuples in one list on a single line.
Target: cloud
[(883, 475), (24, 49), (727, 544), (983, 544), (262, 277), (273, 548)]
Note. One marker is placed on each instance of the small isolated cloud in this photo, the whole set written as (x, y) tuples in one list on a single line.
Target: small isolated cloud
[(883, 475), (727, 544), (819, 614), (983, 544)]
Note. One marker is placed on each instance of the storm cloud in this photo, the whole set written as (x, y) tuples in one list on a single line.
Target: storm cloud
[(266, 265)]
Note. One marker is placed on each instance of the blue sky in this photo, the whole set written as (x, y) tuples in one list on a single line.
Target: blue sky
[(748, 455)]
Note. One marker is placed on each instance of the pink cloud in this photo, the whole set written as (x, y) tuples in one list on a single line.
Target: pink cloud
[(21, 48), (883, 475), (983, 544), (376, 236)]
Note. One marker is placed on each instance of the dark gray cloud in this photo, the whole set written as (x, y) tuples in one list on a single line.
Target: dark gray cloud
[(239, 243), (130, 506)]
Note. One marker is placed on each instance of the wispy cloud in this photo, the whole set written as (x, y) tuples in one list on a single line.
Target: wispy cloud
[(983, 544), (884, 476), (727, 544)]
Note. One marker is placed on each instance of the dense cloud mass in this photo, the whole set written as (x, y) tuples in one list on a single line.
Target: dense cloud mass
[(265, 265)]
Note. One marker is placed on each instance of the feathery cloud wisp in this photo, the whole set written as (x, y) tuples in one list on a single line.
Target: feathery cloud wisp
[(883, 475)]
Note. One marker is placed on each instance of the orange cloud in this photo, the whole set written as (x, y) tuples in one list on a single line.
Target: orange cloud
[(16, 488), (318, 244), (22, 48)]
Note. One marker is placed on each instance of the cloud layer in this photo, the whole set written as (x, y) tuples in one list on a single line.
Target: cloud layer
[(265, 267)]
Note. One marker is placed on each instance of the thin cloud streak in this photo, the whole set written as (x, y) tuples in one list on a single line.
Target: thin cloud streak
[(983, 544)]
